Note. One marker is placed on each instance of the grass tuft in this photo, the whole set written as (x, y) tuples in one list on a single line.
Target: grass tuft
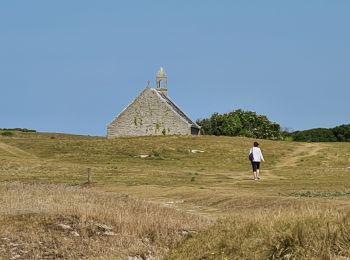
[(95, 223), (324, 194)]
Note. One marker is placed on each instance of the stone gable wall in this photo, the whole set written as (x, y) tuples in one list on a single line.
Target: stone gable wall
[(148, 115)]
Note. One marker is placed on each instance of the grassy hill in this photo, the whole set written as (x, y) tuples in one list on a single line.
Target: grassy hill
[(172, 197)]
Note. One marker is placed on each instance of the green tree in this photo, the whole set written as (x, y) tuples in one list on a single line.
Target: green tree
[(314, 135), (241, 123), (342, 133)]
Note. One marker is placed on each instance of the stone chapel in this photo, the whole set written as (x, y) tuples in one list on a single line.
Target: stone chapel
[(153, 113)]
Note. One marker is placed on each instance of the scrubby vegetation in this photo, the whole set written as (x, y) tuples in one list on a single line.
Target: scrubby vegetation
[(24, 130), (314, 135), (340, 133), (241, 123), (253, 125), (9, 132)]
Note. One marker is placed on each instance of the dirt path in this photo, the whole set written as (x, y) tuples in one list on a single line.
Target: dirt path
[(292, 159), (304, 150), (14, 151)]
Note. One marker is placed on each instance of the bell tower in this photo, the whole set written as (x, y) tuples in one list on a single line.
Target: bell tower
[(162, 81)]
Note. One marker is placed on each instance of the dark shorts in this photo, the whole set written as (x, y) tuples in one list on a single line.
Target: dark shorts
[(255, 166)]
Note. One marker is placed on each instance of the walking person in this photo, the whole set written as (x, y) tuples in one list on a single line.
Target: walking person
[(256, 156)]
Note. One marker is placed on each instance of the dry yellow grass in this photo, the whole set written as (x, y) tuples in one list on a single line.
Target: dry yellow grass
[(297, 231), (58, 221), (303, 185)]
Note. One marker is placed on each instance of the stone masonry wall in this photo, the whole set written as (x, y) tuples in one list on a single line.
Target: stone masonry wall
[(148, 115)]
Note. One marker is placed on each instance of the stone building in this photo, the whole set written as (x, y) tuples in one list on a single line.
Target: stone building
[(153, 113)]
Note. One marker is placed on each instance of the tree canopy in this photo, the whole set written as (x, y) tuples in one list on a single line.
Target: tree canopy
[(241, 123), (339, 133)]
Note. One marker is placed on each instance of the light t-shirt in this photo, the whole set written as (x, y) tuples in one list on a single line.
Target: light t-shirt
[(257, 154)]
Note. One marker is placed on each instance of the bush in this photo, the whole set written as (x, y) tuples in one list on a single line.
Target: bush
[(314, 135), (7, 133), (24, 130), (241, 123), (342, 133), (339, 133)]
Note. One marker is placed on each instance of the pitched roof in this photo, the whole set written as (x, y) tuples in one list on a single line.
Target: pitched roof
[(177, 109)]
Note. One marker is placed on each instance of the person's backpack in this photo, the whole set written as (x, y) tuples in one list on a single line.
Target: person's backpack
[(250, 156)]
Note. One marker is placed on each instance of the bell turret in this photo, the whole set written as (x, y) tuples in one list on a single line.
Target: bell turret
[(162, 81)]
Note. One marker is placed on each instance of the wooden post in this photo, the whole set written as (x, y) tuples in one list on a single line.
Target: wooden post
[(89, 175)]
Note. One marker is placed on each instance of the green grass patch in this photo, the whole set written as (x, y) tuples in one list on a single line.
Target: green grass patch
[(320, 194), (7, 133)]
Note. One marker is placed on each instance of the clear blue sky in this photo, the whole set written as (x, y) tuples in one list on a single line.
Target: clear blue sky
[(72, 66)]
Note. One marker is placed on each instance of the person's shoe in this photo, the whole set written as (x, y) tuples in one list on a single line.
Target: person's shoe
[(258, 178)]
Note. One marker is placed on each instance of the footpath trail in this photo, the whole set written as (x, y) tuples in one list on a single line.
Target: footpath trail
[(14, 151), (302, 151)]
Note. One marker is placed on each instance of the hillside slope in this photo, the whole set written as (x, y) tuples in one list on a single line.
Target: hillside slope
[(206, 177)]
